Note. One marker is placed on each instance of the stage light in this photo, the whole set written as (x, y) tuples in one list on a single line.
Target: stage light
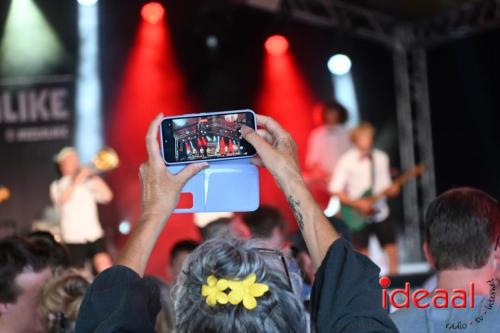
[(339, 64), (212, 42), (153, 12), (29, 45), (285, 96), (276, 45), (124, 227), (88, 134), (87, 2)]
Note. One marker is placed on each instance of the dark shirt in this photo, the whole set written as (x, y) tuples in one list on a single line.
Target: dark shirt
[(346, 296)]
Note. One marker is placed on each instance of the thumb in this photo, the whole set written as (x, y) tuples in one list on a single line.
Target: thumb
[(188, 172)]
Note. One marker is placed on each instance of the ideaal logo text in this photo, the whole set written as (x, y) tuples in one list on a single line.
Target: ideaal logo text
[(440, 299)]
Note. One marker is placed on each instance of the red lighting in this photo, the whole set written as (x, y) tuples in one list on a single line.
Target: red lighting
[(276, 45), (152, 12), (286, 97)]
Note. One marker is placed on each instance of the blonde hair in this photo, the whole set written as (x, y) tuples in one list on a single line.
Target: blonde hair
[(363, 127), (63, 295)]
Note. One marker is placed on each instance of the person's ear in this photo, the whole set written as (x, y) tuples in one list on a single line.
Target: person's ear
[(428, 255)]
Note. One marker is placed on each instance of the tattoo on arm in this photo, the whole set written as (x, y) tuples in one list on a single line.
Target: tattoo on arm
[(296, 211)]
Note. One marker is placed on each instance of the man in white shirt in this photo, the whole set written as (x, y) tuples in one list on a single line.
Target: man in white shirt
[(76, 195), (325, 146), (360, 172), (328, 142)]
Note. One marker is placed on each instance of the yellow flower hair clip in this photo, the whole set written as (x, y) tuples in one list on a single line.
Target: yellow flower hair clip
[(214, 291), (245, 291)]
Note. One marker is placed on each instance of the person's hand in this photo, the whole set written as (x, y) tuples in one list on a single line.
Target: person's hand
[(365, 206), (275, 148), (159, 188), (393, 190), (82, 175)]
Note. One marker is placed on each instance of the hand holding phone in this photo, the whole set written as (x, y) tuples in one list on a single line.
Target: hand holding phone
[(206, 136)]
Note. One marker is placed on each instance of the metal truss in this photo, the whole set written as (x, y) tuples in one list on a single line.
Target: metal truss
[(357, 20), (469, 19)]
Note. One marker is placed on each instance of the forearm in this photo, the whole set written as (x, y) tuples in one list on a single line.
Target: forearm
[(314, 226), (344, 199), (66, 195), (102, 190), (135, 254)]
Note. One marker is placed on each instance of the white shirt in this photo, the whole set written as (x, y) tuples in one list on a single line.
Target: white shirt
[(326, 145), (353, 174), (79, 217)]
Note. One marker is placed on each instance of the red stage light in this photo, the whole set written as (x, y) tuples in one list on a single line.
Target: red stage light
[(152, 12), (276, 45)]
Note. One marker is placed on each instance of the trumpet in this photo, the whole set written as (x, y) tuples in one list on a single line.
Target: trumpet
[(105, 160)]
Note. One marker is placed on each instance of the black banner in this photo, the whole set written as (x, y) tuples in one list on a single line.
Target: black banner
[(36, 121)]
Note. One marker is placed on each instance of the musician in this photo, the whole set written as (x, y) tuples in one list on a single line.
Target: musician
[(327, 143), (363, 169), (76, 195)]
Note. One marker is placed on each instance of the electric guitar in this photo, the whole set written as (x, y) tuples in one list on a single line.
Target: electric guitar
[(356, 220)]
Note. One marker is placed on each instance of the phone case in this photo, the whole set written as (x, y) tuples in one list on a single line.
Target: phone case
[(225, 186)]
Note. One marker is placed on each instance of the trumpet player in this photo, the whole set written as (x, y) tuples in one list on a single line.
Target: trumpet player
[(76, 195)]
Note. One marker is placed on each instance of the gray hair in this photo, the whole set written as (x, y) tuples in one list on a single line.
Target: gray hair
[(279, 310)]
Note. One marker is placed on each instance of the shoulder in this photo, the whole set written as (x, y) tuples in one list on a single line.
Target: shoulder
[(380, 155), (318, 131), (349, 154), (408, 319), (63, 181)]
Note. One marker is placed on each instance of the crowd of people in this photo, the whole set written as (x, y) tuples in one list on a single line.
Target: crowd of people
[(260, 280)]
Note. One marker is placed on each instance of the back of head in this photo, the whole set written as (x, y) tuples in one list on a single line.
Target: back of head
[(60, 301), (335, 106), (362, 128), (278, 310), (218, 228), (461, 228), (165, 321), (262, 221), (58, 255), (16, 257), (184, 245)]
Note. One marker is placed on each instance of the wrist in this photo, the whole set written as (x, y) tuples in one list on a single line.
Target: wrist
[(157, 213), (292, 183)]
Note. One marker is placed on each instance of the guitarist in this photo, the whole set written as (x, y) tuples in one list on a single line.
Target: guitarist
[(360, 172)]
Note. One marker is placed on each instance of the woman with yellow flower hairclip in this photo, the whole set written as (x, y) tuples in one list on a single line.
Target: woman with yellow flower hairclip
[(228, 285)]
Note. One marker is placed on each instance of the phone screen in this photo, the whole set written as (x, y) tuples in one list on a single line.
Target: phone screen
[(206, 137)]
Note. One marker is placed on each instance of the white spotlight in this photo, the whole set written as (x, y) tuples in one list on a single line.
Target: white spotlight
[(212, 41), (124, 227), (339, 64), (87, 2)]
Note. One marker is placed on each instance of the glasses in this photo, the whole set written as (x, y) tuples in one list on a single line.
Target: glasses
[(278, 254), (270, 253)]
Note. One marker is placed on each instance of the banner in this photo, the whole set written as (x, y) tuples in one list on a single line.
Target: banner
[(36, 121)]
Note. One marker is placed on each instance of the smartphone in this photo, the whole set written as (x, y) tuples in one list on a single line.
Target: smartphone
[(206, 137)]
